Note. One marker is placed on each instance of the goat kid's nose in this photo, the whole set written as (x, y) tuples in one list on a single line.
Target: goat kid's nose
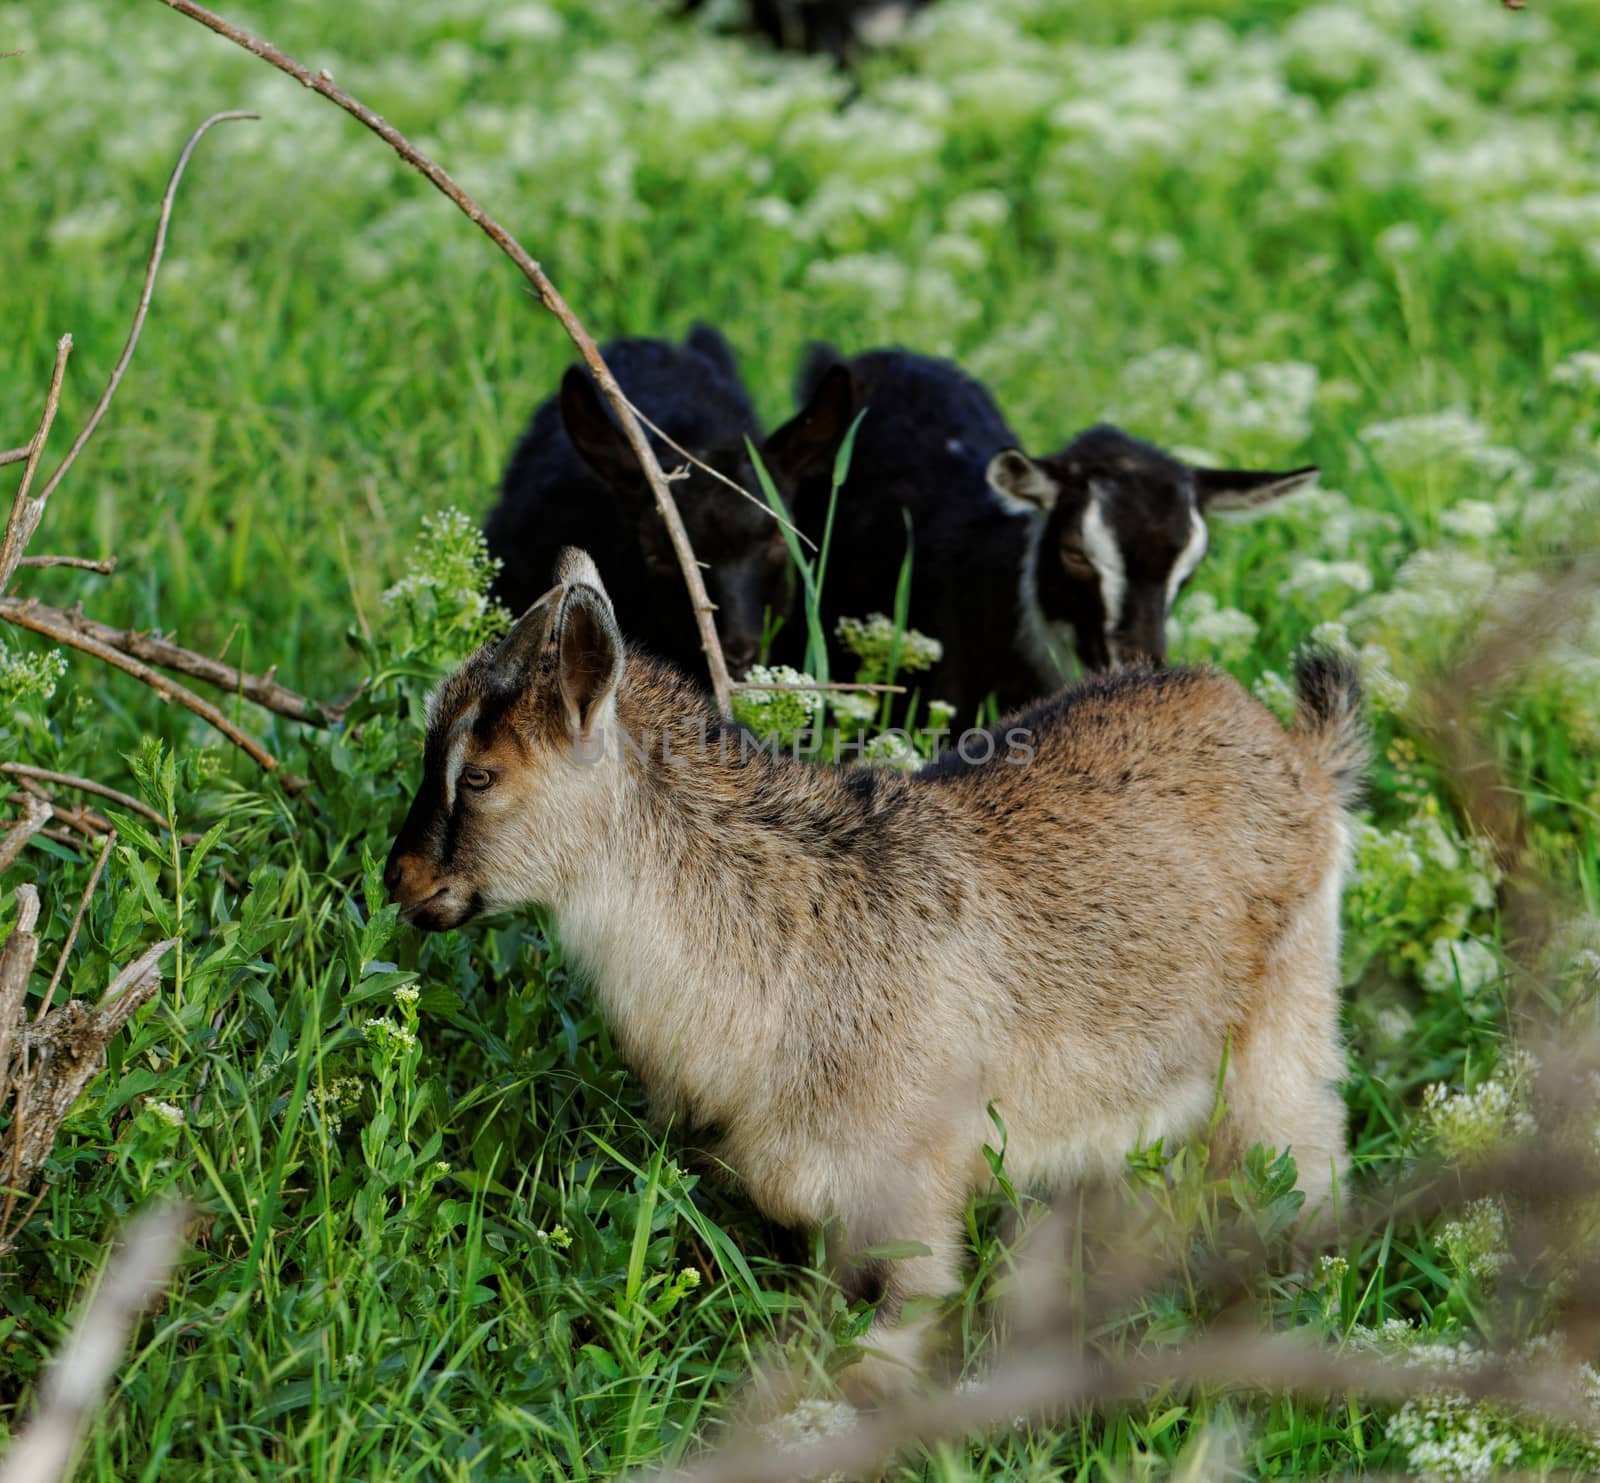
[(407, 878)]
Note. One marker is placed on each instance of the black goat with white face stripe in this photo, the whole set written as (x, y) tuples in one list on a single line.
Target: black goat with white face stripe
[(1117, 528), (1017, 564)]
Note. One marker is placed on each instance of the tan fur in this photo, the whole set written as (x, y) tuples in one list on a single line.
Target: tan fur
[(841, 971)]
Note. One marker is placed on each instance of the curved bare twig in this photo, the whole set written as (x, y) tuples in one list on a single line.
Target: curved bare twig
[(638, 440), (156, 251)]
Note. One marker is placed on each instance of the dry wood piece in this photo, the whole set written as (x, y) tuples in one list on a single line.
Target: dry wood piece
[(44, 1067), (320, 82), (16, 963)]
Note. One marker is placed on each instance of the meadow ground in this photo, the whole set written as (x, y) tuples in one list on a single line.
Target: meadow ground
[(436, 1238)]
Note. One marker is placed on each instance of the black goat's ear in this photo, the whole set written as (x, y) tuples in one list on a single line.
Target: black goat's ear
[(1020, 482), (597, 438), (709, 343), (589, 644), (812, 436), (1225, 490)]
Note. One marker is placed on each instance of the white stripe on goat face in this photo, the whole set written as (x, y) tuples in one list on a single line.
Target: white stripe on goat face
[(1105, 555), (456, 753), (1189, 557)]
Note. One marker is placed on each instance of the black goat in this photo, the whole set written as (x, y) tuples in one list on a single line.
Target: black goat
[(836, 27), (1016, 562), (574, 481)]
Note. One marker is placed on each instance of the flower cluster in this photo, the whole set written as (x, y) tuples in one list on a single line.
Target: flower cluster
[(28, 679), (441, 602), (784, 714), (1465, 1125), (1475, 1241), (882, 649)]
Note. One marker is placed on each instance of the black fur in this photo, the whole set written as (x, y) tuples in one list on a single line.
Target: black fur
[(835, 27), (573, 481), (921, 451)]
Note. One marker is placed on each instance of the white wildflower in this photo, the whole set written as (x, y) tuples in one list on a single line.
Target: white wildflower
[(1472, 519), (1394, 1025), (1213, 631), (1313, 579), (1401, 240), (525, 22), (1464, 1125), (977, 210), (1476, 1241), (809, 1422), (892, 749), (1581, 369), (876, 277), (1466, 963), (168, 1112)]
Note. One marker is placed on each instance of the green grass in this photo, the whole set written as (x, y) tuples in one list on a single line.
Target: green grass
[(464, 1258)]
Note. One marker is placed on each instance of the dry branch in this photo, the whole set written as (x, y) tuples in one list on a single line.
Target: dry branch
[(67, 625), (36, 814), (72, 1389), (84, 785), (1041, 1380), (14, 455), (638, 439), (27, 613), (82, 563), (721, 477), (25, 512)]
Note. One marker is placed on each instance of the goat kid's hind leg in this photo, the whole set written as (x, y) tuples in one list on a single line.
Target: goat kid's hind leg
[(1285, 1067), (896, 1348)]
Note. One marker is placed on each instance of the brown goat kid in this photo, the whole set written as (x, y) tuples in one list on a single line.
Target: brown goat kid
[(839, 970)]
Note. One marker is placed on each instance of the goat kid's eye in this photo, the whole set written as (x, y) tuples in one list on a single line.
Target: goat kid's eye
[(476, 778)]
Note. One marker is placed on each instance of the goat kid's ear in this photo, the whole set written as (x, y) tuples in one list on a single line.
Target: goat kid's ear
[(1247, 489), (589, 649), (518, 652), (813, 435), (1020, 482), (597, 438)]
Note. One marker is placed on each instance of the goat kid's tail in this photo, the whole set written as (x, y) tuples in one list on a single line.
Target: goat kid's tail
[(1328, 719)]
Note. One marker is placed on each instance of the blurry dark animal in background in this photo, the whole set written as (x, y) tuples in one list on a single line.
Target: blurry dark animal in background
[(837, 27), (574, 480), (1017, 563)]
